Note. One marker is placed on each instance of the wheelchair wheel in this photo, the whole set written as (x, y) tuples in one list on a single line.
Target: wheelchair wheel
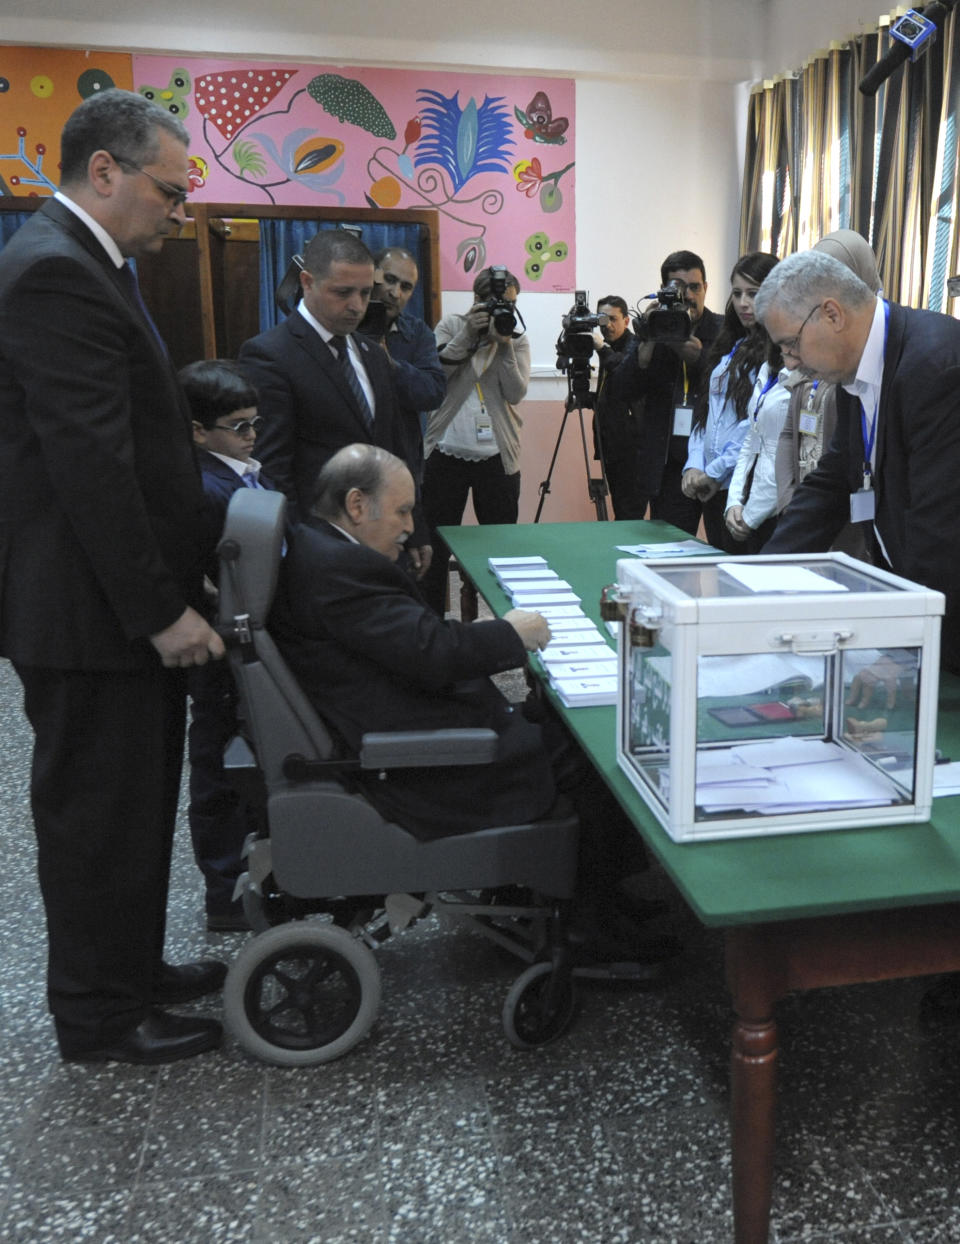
[(538, 1009), (301, 993)]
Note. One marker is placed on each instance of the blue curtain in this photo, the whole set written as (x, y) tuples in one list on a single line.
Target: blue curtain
[(280, 240), (10, 222)]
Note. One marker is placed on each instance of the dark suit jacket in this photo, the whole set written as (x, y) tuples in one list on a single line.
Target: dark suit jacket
[(308, 409), (220, 482), (372, 656), (653, 392), (100, 496), (918, 466)]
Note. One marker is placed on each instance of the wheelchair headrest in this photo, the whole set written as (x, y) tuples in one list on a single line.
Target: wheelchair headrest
[(249, 552)]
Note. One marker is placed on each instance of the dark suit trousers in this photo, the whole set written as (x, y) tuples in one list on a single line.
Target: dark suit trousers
[(104, 789), (220, 819)]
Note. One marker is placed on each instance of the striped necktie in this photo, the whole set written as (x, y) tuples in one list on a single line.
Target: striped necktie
[(352, 379)]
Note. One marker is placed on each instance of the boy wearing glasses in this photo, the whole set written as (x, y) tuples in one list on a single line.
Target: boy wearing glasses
[(223, 405)]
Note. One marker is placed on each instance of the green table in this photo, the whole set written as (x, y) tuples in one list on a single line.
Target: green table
[(797, 911)]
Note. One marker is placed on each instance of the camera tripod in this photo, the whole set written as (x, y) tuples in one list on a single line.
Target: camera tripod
[(597, 489)]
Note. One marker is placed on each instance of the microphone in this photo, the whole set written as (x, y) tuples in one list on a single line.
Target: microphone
[(911, 34)]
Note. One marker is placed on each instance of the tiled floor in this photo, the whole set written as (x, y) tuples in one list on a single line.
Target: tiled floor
[(436, 1131)]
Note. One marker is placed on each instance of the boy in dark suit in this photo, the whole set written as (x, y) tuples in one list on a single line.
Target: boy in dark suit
[(223, 405)]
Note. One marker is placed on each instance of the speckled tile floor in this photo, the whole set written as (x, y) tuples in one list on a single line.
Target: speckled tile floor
[(436, 1131)]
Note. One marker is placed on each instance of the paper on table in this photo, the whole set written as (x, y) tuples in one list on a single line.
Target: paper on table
[(780, 577), (677, 548)]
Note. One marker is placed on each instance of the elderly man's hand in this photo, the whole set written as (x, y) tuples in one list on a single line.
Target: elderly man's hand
[(532, 628)]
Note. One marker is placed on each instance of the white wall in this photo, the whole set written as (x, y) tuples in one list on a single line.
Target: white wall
[(795, 29)]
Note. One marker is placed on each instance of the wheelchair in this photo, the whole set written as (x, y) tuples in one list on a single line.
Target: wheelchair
[(331, 878)]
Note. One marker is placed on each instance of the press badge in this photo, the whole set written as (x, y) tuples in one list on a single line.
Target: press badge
[(682, 420), (809, 422), (484, 431), (863, 505)]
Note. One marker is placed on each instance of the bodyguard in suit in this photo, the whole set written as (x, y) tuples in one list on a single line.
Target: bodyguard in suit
[(100, 560), (894, 461), (322, 385)]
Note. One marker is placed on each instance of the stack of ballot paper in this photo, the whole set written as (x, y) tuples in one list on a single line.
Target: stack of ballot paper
[(787, 776), (579, 661)]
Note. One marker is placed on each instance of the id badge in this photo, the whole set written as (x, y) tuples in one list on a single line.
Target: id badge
[(682, 420), (484, 432), (863, 505), (809, 422)]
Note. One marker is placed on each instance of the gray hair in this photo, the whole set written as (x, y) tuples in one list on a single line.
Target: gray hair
[(360, 466), (798, 282), (121, 122)]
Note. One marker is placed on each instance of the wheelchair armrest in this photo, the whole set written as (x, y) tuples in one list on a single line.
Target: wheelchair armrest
[(423, 749)]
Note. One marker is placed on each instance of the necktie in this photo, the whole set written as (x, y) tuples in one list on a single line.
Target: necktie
[(128, 279), (350, 375)]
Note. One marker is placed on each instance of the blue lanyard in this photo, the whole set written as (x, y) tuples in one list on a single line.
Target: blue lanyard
[(771, 381), (870, 437)]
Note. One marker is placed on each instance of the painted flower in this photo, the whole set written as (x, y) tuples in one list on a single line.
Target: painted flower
[(529, 175), (412, 133), (197, 172), (307, 158)]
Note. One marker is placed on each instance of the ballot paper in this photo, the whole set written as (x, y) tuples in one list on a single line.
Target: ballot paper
[(570, 617), (787, 776), (677, 548), (779, 577), (536, 598), (573, 670), (564, 638), (564, 654), (585, 692)]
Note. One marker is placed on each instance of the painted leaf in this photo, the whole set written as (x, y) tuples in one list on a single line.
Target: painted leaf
[(349, 100), (450, 135)]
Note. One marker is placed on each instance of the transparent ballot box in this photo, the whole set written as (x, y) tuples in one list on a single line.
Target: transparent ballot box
[(770, 695)]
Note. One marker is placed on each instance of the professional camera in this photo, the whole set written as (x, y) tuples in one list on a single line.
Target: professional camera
[(374, 323), (575, 343), (503, 314), (668, 320)]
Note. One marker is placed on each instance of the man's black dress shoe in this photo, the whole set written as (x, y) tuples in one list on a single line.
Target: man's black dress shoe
[(159, 1038), (185, 981)]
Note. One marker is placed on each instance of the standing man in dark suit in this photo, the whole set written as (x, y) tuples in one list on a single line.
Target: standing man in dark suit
[(100, 506), (321, 384), (894, 461), (661, 382)]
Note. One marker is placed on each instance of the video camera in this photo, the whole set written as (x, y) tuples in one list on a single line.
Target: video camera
[(668, 320), (503, 314), (575, 343)]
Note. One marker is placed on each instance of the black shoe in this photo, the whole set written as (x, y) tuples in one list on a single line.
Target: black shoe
[(159, 1038), (185, 981)]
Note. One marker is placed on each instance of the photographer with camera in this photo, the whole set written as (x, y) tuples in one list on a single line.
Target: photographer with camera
[(662, 377), (617, 422), (472, 443)]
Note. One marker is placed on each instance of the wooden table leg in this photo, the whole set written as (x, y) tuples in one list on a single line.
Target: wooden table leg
[(753, 1083)]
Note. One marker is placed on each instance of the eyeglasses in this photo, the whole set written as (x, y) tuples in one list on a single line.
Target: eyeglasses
[(175, 194), (792, 344), (243, 427)]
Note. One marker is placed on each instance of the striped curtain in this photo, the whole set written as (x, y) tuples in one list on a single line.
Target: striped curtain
[(822, 156)]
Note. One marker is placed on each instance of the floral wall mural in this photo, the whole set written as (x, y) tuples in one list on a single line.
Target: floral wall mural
[(495, 156)]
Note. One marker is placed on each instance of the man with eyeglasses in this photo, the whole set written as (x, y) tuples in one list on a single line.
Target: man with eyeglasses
[(894, 462), (101, 572)]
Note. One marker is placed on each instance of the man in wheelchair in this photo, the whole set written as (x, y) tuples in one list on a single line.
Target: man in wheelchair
[(372, 656)]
